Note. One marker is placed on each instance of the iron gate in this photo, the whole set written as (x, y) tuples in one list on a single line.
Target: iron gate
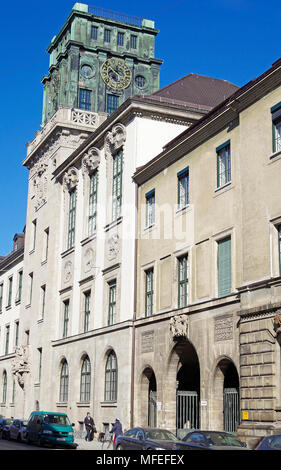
[(231, 409), (152, 409), (187, 410)]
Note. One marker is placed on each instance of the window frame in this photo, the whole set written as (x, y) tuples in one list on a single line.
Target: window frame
[(276, 125), (150, 208), (87, 311), (65, 325), (71, 219), (117, 179), (183, 281), (120, 35), (112, 103), (112, 302), (94, 35), (222, 290), (93, 198), (85, 102), (149, 291), (223, 160), (111, 378), (183, 175), (64, 382), (85, 380)]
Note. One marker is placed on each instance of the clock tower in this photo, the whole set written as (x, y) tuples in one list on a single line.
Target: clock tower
[(98, 60)]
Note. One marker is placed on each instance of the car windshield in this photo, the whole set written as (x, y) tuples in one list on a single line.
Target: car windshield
[(59, 420), (160, 435), (217, 439), (275, 442)]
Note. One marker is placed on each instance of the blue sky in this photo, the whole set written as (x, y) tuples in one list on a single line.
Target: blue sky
[(234, 40)]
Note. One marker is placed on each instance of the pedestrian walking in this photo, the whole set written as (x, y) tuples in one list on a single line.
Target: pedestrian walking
[(90, 427), (116, 430)]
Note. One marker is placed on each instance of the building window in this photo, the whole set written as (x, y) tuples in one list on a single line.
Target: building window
[(276, 127), (19, 286), (4, 391), (85, 99), (71, 218), (30, 287), (10, 291), (120, 39), (112, 103), (149, 292), (92, 220), (150, 208), (224, 267), (183, 281), (279, 247), (107, 34), (112, 303), (140, 81), (183, 188), (87, 300), (34, 226), (46, 244), (133, 41), (64, 376), (111, 376), (85, 384), (94, 32), (223, 164), (43, 299), (13, 391), (40, 364), (1, 296), (65, 318), (117, 185), (7, 339), (17, 334)]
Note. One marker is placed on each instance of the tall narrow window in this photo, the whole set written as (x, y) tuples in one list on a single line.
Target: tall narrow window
[(7, 339), (17, 333), (64, 382), (87, 300), (112, 103), (46, 244), (183, 188), (183, 281), (276, 127), (93, 203), (150, 208), (4, 390), (85, 99), (94, 32), (30, 287), (43, 299), (133, 41), (120, 39), (19, 286), (14, 391), (112, 303), (1, 296), (224, 267), (34, 226), (223, 164), (10, 291), (149, 292), (111, 377), (85, 384), (117, 185), (65, 318), (107, 35), (279, 248), (71, 218), (39, 364)]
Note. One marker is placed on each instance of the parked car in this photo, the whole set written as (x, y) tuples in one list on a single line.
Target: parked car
[(5, 427), (18, 429), (213, 440), (149, 439), (51, 428), (272, 442)]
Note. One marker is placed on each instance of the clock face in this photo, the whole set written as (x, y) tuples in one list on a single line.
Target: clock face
[(116, 74)]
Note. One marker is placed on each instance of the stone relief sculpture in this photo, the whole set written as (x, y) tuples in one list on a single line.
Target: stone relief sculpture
[(91, 160), (114, 139), (113, 246), (179, 327), (21, 365), (67, 271), (70, 179), (89, 260), (277, 324)]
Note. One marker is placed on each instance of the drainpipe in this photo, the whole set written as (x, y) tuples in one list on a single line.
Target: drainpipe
[(135, 310)]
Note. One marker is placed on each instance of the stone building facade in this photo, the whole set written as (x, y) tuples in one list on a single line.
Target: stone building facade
[(208, 317)]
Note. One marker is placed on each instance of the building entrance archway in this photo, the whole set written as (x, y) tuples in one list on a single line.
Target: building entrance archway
[(148, 398)]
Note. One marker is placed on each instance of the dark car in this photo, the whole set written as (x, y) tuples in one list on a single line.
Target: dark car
[(212, 440), (18, 430), (149, 439), (5, 428), (270, 443)]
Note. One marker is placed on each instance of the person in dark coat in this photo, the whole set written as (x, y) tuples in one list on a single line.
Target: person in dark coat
[(89, 425), (116, 429)]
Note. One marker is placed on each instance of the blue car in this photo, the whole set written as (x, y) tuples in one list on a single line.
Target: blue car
[(5, 428), (212, 440), (270, 443)]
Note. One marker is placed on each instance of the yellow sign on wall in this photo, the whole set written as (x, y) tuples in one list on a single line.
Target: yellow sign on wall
[(245, 415)]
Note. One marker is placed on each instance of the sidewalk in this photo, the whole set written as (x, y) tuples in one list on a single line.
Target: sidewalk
[(92, 445)]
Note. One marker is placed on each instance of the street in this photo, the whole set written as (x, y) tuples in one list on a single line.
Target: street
[(14, 445)]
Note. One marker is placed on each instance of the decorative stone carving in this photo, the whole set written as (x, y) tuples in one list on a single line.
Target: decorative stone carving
[(114, 139), (277, 327), (113, 246), (67, 270), (40, 182), (90, 161), (223, 328), (21, 364), (179, 327), (70, 179), (89, 257)]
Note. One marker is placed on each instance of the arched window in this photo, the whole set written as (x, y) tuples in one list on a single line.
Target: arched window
[(111, 378), (64, 382), (4, 394), (85, 384)]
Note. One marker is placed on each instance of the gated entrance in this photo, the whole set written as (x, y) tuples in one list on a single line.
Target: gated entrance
[(187, 411), (231, 409)]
